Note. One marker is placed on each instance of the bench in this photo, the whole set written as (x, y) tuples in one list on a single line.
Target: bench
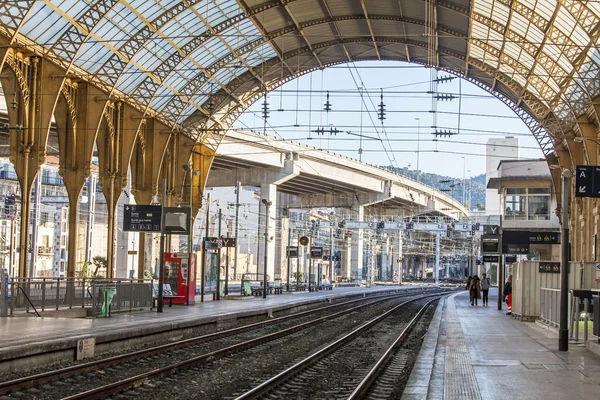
[(167, 294), (277, 286), (326, 286)]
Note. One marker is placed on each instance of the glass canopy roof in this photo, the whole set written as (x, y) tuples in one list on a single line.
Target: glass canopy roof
[(172, 57)]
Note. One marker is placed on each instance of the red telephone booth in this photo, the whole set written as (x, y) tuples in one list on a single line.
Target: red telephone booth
[(177, 270)]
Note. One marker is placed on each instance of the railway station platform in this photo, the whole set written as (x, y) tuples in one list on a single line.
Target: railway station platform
[(29, 340), (481, 353)]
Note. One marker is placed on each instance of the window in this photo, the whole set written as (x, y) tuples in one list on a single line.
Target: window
[(527, 204)]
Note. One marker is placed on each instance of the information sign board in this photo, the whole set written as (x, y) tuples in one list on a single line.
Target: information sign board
[(316, 252), (587, 181), (552, 267), (138, 218), (492, 259)]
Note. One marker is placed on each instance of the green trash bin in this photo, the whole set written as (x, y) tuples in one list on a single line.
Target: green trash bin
[(221, 288), (108, 293)]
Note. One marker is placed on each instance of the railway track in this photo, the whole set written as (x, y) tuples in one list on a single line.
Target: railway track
[(305, 378), (163, 360)]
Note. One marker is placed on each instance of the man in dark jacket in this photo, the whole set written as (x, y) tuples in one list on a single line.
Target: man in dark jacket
[(485, 288)]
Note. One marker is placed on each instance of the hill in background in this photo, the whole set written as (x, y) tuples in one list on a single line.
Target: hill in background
[(450, 185)]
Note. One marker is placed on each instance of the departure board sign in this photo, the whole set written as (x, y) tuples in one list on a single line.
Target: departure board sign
[(551, 267), (142, 218), (492, 259), (316, 252)]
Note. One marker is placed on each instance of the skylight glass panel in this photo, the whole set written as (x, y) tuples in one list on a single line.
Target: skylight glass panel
[(188, 111), (92, 55), (163, 95), (233, 38), (500, 13), (132, 77), (203, 57), (148, 8), (124, 18), (564, 21), (544, 8), (47, 35), (176, 81), (146, 59), (229, 7), (187, 68), (110, 33), (476, 52), (73, 8), (519, 24), (224, 76), (35, 25), (483, 7)]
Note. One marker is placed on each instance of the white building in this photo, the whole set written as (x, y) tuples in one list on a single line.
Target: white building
[(497, 150)]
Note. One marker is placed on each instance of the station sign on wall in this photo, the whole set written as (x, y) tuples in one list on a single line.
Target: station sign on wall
[(551, 267)]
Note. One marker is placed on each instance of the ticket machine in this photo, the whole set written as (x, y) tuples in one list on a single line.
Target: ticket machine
[(178, 267)]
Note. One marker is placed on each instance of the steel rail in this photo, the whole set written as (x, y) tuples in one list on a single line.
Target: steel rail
[(49, 376), (271, 383), (134, 381), (375, 371)]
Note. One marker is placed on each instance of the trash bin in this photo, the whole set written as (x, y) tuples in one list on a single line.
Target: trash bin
[(108, 293), (221, 288)]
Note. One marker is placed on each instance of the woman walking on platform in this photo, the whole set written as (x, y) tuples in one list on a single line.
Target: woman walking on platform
[(508, 294), (475, 290)]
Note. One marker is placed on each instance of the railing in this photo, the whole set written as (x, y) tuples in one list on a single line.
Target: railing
[(550, 306), (131, 294), (44, 294)]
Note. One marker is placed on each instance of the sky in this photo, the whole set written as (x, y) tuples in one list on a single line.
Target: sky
[(405, 86)]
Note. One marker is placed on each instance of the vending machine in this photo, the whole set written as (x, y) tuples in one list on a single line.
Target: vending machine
[(178, 268)]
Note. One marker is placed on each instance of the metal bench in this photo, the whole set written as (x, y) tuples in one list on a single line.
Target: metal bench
[(167, 294)]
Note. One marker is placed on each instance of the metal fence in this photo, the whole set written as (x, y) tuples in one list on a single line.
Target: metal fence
[(130, 295), (46, 294), (550, 306)]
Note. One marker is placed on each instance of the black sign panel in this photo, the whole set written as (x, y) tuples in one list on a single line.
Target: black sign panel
[(492, 259), (515, 248), (587, 181), (551, 267), (544, 238), (491, 230), (510, 259), (211, 242), (316, 252), (292, 251), (489, 246), (141, 218), (515, 237)]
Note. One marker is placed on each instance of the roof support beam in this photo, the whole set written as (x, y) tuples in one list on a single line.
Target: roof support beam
[(364, 8), (299, 28)]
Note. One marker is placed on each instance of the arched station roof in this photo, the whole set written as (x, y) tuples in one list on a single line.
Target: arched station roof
[(199, 64)]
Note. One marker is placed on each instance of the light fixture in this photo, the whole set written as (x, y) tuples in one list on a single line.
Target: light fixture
[(578, 139), (553, 166)]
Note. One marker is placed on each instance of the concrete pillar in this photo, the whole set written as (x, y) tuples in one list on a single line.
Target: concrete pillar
[(385, 259), (357, 248), (268, 192), (345, 261)]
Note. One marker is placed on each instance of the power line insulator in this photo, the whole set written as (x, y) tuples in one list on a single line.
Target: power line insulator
[(327, 105), (381, 113)]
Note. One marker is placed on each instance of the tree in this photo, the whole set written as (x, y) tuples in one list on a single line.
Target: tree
[(480, 207), (99, 262)]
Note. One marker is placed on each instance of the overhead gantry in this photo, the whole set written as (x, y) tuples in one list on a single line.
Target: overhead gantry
[(154, 85)]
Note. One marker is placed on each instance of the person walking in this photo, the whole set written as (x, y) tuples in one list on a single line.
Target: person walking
[(475, 290), (468, 282), (508, 294), (485, 288)]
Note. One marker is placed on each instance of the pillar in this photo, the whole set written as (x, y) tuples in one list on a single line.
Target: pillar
[(268, 192), (346, 258), (357, 249)]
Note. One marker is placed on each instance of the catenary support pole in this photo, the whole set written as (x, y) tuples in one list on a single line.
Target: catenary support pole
[(436, 273), (218, 294), (238, 188), (500, 267), (563, 332), (161, 270), (265, 280), (289, 259), (203, 262)]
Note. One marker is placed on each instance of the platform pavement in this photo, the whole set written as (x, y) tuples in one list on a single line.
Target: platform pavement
[(20, 336), (479, 352)]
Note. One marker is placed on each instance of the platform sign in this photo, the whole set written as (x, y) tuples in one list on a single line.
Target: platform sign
[(551, 267), (292, 251), (587, 181), (316, 252), (598, 273), (515, 248), (544, 238), (85, 348), (141, 218), (510, 259), (491, 259)]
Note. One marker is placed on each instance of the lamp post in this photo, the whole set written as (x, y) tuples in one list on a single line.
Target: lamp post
[(267, 207), (563, 332)]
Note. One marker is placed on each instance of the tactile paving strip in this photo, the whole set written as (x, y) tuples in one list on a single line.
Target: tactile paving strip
[(459, 378)]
